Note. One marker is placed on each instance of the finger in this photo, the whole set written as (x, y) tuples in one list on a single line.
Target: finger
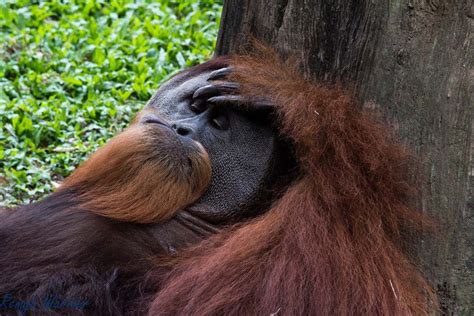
[(256, 103), (222, 99), (220, 73), (215, 89), (206, 91)]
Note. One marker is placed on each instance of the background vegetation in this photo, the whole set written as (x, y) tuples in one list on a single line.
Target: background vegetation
[(73, 73)]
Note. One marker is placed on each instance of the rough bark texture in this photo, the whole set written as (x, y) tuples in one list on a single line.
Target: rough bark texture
[(414, 60)]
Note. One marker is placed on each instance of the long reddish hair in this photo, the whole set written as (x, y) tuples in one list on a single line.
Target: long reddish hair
[(332, 244), (138, 176)]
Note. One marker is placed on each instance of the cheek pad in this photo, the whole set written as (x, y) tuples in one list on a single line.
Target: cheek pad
[(240, 167)]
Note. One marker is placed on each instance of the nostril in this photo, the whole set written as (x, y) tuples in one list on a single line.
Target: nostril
[(183, 131)]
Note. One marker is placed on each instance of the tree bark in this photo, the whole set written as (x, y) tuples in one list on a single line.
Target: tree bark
[(414, 60)]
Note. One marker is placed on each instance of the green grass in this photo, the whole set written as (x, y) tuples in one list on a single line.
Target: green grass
[(74, 73)]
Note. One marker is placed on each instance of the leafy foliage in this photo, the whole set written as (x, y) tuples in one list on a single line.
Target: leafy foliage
[(73, 73)]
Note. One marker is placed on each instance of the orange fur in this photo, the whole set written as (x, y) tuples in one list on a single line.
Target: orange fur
[(144, 175)]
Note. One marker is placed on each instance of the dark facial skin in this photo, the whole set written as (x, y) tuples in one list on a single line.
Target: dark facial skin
[(241, 144)]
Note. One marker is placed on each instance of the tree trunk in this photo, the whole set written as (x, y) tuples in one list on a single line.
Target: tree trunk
[(413, 59)]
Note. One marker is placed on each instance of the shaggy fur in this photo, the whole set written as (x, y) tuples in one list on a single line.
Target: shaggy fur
[(331, 245), (142, 175)]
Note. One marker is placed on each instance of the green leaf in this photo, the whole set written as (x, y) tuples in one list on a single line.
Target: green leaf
[(180, 59), (99, 56), (73, 74), (72, 81)]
